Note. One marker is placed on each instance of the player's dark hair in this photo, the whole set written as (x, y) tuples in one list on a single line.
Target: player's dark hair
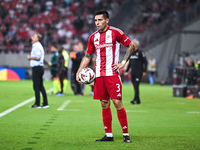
[(54, 45), (102, 12), (60, 49)]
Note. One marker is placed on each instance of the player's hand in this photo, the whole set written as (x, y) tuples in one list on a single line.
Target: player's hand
[(92, 83), (136, 44), (49, 63), (117, 66), (28, 57), (77, 78)]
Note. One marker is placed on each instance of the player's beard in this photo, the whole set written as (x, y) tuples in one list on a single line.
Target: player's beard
[(102, 28)]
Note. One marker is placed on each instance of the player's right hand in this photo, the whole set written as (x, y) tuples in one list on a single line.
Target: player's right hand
[(28, 57), (77, 78)]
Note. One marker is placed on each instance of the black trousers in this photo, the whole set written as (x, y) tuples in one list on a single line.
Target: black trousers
[(61, 78), (37, 74), (136, 78), (78, 90)]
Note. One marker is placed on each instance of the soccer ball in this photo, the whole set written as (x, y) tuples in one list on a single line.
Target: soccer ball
[(87, 75)]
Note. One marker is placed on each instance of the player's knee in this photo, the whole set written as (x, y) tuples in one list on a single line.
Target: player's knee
[(105, 104), (118, 104)]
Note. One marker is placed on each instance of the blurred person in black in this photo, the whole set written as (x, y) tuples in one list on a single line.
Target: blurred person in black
[(138, 65), (61, 70), (190, 72), (198, 89), (76, 57), (92, 66)]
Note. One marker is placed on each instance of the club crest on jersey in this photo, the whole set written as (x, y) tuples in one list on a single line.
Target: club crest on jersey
[(108, 37)]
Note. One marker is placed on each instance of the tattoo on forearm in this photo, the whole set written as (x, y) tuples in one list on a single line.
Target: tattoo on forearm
[(88, 55), (129, 51)]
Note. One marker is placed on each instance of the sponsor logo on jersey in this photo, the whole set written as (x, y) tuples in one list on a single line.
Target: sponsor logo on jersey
[(134, 57), (103, 46)]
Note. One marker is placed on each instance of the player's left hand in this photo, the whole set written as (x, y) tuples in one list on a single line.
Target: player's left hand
[(92, 83), (135, 44), (117, 66)]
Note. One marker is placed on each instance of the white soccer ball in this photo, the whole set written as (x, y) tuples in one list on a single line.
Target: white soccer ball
[(87, 75)]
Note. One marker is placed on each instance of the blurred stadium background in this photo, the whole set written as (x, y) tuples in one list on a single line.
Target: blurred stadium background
[(167, 29)]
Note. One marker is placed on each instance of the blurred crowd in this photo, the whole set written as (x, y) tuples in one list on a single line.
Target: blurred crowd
[(59, 21), (67, 22), (156, 11), (162, 17)]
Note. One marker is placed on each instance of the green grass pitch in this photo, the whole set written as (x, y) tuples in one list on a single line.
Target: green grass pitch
[(161, 122)]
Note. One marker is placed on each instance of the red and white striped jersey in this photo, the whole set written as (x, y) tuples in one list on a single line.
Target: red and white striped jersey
[(107, 47)]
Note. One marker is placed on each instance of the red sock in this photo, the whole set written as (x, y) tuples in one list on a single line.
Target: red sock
[(123, 120), (107, 120)]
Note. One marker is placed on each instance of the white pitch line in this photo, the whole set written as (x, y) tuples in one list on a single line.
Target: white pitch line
[(194, 112), (16, 107), (19, 105), (64, 105)]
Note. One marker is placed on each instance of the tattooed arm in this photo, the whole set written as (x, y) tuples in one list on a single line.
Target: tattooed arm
[(131, 48)]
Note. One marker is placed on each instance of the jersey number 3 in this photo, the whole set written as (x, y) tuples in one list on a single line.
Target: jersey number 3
[(118, 87)]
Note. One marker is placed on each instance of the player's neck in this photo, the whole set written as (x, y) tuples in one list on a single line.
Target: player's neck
[(105, 29)]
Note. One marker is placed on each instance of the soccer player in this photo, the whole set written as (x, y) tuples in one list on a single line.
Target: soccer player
[(106, 43), (53, 65), (66, 58), (61, 71)]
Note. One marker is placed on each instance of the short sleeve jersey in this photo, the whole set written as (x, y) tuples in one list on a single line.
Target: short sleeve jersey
[(107, 46)]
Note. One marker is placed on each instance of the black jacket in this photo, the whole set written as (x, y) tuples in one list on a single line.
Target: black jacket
[(76, 62), (138, 62), (60, 63)]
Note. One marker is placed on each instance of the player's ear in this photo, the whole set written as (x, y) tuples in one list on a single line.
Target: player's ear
[(107, 20)]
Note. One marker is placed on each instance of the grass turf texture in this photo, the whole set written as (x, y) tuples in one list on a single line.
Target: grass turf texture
[(160, 122)]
